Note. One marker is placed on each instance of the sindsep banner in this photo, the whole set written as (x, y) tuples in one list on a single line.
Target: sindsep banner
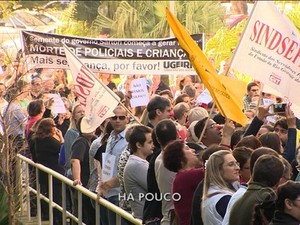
[(115, 56), (269, 51)]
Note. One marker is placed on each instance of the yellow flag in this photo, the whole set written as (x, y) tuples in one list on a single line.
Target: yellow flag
[(235, 88), (227, 101)]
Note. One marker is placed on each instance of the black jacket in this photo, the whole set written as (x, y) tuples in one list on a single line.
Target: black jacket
[(281, 218), (152, 209)]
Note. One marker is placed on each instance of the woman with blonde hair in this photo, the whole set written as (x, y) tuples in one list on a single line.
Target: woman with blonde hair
[(72, 133), (221, 172), (106, 79), (60, 77), (61, 82), (182, 81)]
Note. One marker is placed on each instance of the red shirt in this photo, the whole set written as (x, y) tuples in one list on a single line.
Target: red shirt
[(185, 184), (30, 123)]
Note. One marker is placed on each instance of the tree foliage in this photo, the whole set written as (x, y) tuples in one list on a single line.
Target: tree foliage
[(294, 15), (6, 7), (221, 44), (201, 16), (86, 11), (71, 25), (145, 19)]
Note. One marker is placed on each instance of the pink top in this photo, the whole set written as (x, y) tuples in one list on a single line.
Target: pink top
[(30, 123)]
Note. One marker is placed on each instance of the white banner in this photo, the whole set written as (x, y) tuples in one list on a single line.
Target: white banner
[(114, 56), (99, 101), (269, 51)]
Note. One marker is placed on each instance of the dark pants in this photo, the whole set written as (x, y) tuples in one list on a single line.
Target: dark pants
[(88, 211), (57, 198), (32, 183), (107, 216)]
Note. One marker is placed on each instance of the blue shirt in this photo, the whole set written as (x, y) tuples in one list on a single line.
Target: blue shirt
[(69, 137), (115, 145)]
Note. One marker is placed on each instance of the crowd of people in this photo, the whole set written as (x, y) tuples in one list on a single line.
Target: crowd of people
[(173, 161)]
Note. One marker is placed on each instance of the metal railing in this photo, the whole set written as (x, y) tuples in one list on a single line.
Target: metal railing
[(25, 187)]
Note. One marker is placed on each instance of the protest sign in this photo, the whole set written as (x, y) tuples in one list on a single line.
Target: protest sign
[(108, 162), (204, 97), (58, 104), (139, 93), (114, 56)]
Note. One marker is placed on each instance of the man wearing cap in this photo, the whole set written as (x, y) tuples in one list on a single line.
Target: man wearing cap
[(212, 132), (80, 168), (116, 143), (195, 114)]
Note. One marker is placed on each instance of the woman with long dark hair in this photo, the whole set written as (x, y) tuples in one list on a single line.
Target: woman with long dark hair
[(48, 140), (181, 159)]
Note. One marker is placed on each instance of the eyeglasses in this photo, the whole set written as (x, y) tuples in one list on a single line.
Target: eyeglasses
[(232, 164), (118, 117), (212, 125)]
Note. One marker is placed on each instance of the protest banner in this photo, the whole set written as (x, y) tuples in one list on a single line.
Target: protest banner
[(99, 101), (269, 51), (114, 56), (228, 102)]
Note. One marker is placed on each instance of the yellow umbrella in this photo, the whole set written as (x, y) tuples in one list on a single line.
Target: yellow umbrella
[(228, 101)]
